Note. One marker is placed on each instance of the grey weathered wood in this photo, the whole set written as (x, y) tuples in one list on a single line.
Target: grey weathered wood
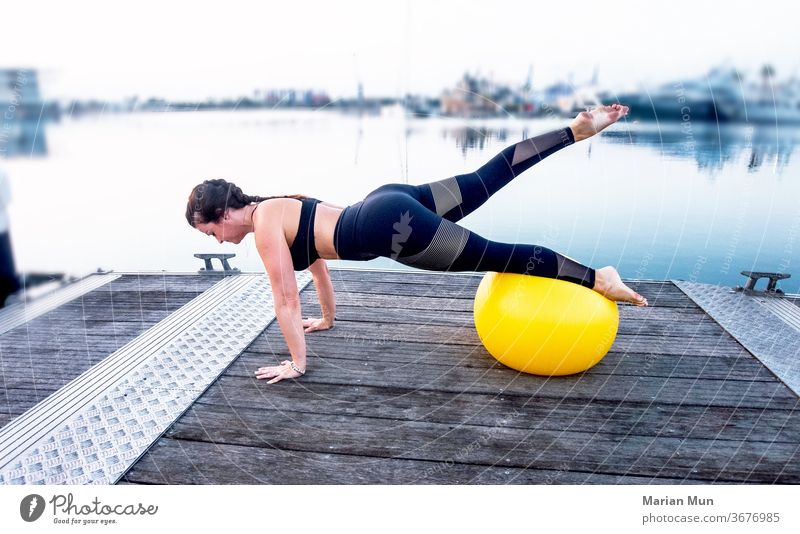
[(433, 310), (401, 390), (356, 334), (736, 366), (587, 386), (176, 462), (596, 452), (533, 412), (657, 296), (167, 281), (465, 334), (53, 349)]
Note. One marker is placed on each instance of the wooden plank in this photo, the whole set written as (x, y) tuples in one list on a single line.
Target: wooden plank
[(463, 279), (98, 297), (657, 296), (664, 292), (148, 315), (14, 402), (23, 362), (733, 461), (364, 336), (92, 332), (740, 366), (702, 325), (364, 332), (45, 377), (144, 307), (677, 345), (533, 412), (161, 281), (90, 346), (587, 386), (173, 461), (375, 303), (416, 276), (373, 285)]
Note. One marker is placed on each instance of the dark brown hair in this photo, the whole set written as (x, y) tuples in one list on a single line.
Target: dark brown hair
[(209, 200)]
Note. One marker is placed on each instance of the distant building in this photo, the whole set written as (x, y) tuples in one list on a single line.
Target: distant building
[(475, 96), (19, 94), (22, 113), (292, 98)]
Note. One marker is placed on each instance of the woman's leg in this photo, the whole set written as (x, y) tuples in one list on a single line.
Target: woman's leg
[(451, 247), (403, 222), (456, 197), (390, 222), (399, 227)]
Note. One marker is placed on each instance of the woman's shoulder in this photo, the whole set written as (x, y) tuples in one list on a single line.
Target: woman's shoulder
[(276, 211), (283, 206), (276, 207)]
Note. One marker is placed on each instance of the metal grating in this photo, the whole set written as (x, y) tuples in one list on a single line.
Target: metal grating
[(783, 310), (769, 327), (22, 312), (94, 428)]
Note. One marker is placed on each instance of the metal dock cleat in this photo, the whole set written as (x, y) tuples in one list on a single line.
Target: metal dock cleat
[(223, 258), (755, 276)]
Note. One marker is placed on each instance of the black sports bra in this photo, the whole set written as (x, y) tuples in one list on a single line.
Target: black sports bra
[(303, 249)]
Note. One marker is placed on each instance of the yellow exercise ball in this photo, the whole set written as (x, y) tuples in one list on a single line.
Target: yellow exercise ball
[(543, 326)]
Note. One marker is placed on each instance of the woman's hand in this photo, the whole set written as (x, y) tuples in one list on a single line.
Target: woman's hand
[(311, 324), (279, 372)]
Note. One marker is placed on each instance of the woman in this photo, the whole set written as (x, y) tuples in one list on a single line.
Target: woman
[(414, 225)]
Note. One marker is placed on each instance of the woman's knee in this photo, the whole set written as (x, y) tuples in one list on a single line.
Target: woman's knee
[(437, 245)]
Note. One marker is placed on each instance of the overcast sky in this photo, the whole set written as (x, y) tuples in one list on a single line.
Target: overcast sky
[(194, 50)]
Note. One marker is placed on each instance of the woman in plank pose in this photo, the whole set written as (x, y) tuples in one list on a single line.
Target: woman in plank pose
[(413, 224)]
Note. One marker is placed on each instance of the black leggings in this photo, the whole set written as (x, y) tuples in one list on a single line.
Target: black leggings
[(416, 224)]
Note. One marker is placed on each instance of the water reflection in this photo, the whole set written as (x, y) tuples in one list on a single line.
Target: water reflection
[(468, 139), (711, 146), (24, 138)]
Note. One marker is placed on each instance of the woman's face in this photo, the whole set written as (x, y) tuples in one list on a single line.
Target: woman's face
[(224, 230)]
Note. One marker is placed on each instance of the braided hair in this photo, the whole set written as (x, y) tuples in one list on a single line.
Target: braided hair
[(209, 200)]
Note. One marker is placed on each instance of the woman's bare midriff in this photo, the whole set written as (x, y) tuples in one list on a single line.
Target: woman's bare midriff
[(325, 219), (324, 224)]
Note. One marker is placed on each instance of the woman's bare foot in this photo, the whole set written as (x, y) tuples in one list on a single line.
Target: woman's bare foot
[(588, 123), (608, 283)]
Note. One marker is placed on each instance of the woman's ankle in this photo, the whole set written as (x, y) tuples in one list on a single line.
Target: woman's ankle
[(600, 281), (576, 135)]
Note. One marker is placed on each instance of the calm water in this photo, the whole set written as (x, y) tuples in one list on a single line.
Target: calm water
[(679, 201)]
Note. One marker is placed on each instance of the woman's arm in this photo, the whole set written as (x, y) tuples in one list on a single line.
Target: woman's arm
[(274, 251), (327, 297)]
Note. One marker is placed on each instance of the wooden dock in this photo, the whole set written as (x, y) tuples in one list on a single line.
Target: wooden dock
[(401, 391), (42, 355)]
